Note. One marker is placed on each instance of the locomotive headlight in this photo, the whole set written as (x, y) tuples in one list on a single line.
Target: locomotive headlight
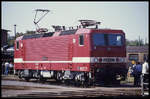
[(21, 45), (94, 60), (120, 59), (123, 59)]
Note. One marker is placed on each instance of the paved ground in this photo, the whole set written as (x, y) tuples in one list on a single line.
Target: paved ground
[(13, 87)]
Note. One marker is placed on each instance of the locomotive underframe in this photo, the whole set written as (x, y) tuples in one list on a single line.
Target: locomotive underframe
[(105, 74), (99, 74)]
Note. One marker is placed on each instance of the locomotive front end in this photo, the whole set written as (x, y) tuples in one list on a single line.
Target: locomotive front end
[(108, 56)]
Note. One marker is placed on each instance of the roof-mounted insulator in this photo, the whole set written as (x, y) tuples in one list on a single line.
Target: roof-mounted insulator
[(42, 30), (57, 27), (86, 23)]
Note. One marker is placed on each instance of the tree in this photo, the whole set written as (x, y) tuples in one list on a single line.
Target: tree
[(30, 32), (11, 39), (19, 34), (135, 42)]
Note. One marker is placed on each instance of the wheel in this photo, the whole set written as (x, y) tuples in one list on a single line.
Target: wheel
[(27, 79), (59, 77), (41, 79), (20, 74)]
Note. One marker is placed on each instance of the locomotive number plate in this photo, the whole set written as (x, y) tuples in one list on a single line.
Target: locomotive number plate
[(108, 60)]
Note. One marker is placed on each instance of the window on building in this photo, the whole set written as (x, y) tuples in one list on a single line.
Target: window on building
[(81, 39), (134, 57), (17, 45), (145, 57)]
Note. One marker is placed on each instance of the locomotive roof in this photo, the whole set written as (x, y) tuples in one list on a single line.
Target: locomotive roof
[(37, 35), (69, 32)]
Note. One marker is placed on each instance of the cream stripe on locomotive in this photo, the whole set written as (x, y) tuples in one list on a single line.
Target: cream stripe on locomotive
[(80, 60)]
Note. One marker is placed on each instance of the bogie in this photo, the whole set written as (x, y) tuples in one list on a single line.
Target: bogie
[(67, 77)]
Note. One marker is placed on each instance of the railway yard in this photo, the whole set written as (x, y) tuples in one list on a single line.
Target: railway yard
[(11, 86), (80, 61)]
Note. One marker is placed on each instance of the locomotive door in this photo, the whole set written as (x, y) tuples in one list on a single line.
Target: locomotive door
[(22, 49), (70, 55), (22, 52)]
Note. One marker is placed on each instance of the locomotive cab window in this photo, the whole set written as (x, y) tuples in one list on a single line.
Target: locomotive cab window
[(17, 45), (115, 39), (104, 39), (81, 40)]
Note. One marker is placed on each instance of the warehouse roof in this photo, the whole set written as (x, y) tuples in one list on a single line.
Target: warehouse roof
[(137, 49)]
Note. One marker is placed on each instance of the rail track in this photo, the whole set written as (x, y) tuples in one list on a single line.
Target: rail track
[(14, 87)]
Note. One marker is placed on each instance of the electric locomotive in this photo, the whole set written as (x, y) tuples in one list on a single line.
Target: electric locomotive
[(83, 56)]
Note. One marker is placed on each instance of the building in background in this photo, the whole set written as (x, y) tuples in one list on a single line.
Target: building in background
[(6, 54), (136, 53), (4, 37)]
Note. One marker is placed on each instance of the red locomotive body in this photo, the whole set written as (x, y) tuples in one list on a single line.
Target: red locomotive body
[(85, 56)]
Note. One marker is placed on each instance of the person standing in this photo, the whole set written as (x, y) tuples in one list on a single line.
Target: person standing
[(133, 63), (145, 67), (6, 68), (137, 71), (10, 68), (3, 68), (129, 73), (145, 70)]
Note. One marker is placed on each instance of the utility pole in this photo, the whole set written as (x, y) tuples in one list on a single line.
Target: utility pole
[(15, 30), (145, 41), (139, 44)]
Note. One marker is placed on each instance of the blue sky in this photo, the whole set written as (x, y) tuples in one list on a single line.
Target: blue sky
[(131, 17)]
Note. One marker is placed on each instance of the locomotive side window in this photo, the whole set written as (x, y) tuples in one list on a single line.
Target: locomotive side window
[(17, 45), (115, 39), (81, 39)]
